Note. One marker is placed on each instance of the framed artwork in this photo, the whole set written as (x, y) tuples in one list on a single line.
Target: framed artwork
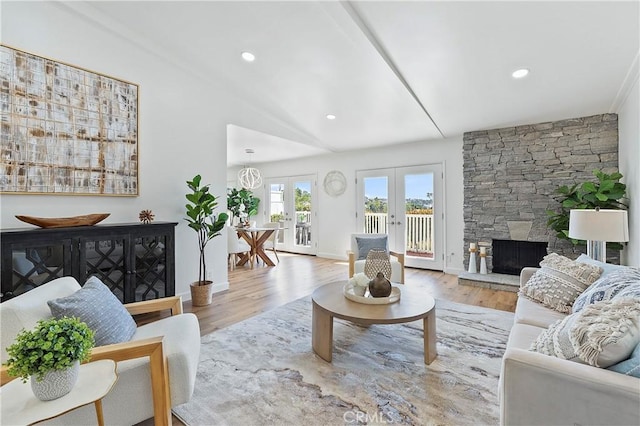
[(65, 129)]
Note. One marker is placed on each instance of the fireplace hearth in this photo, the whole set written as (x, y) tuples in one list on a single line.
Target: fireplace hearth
[(509, 256)]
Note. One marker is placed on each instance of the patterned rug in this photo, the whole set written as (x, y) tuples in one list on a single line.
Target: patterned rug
[(263, 371)]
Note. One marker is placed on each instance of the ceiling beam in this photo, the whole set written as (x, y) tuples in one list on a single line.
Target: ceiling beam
[(359, 21)]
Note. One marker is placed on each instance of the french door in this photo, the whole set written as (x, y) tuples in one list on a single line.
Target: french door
[(407, 204), (291, 201)]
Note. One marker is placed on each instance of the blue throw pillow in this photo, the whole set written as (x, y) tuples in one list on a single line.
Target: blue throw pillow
[(367, 243), (607, 268), (96, 305), (622, 282), (630, 366)]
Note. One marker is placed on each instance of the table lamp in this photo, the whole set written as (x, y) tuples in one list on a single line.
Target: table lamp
[(597, 227)]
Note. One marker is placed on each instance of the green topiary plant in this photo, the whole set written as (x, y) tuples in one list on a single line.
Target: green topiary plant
[(54, 344), (606, 193), (202, 220)]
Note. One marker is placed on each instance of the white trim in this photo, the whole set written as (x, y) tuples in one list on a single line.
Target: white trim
[(217, 288), (627, 84), (333, 256), (454, 271)]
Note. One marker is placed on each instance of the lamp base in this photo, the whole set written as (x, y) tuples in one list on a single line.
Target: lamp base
[(597, 250)]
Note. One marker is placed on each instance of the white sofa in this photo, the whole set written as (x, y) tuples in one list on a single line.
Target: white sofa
[(131, 400), (537, 389)]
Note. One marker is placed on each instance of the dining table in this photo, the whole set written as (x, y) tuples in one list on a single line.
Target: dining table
[(255, 236)]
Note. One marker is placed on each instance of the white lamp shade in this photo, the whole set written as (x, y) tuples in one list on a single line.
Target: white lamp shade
[(599, 225)]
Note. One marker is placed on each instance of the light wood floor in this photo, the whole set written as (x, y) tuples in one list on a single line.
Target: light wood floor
[(257, 290)]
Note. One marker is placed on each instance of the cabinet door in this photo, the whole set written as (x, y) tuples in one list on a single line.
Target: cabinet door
[(108, 258), (154, 276), (30, 264)]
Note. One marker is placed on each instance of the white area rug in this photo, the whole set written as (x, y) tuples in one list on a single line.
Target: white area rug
[(263, 371)]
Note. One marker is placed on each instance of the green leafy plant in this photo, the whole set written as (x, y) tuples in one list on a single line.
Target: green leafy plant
[(241, 203), (54, 344), (201, 219), (606, 193)]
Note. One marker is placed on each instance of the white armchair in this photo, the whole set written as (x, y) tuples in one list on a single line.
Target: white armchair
[(156, 368), (358, 254)]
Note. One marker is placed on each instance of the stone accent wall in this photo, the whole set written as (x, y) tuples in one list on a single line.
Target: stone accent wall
[(510, 176)]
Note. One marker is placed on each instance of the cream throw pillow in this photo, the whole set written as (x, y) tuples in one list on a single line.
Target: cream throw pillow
[(559, 282), (602, 334)]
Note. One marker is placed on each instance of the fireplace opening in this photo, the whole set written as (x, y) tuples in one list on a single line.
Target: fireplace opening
[(509, 257)]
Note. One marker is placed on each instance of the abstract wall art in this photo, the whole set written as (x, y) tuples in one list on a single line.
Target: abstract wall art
[(65, 129)]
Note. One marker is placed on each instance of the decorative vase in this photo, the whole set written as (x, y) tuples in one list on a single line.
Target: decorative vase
[(380, 286), (472, 261), (55, 383), (483, 260), (201, 293)]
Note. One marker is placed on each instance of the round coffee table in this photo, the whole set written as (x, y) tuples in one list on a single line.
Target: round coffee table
[(329, 302)]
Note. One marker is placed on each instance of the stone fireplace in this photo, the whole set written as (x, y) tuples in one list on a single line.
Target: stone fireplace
[(510, 176)]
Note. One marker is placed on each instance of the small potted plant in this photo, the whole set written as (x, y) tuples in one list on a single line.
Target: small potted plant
[(201, 219), (242, 204), (50, 355)]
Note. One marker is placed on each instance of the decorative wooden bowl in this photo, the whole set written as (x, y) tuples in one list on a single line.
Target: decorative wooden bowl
[(64, 222)]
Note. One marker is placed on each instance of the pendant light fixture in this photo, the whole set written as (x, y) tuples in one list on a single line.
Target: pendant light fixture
[(249, 177)]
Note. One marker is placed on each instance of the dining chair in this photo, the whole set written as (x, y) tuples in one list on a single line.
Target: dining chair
[(235, 246), (270, 243)]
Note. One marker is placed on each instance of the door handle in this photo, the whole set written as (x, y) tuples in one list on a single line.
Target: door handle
[(392, 223)]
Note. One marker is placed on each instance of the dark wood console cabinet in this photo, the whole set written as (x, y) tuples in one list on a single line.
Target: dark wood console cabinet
[(136, 261)]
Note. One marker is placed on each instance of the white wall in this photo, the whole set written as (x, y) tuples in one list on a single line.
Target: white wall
[(182, 125), (336, 216), (629, 135)]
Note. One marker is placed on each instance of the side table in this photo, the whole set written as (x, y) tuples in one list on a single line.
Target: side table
[(19, 406)]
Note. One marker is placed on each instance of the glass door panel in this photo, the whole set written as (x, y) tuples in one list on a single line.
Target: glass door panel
[(375, 189), (416, 219), (302, 201), (405, 203), (276, 211), (291, 203)]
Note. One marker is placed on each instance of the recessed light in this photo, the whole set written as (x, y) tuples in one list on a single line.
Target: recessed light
[(248, 56), (522, 72), (331, 117)]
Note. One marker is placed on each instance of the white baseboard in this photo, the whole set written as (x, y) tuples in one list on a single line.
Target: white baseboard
[(454, 271), (332, 256), (217, 288)]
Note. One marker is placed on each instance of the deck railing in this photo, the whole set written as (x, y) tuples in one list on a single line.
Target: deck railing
[(419, 230), (303, 216)]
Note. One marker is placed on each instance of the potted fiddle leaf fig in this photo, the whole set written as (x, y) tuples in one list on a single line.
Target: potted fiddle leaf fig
[(242, 204), (50, 355), (207, 225)]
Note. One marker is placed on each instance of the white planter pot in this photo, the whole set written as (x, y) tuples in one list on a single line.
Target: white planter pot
[(55, 383)]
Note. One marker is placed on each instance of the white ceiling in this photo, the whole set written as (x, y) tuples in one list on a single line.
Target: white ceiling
[(395, 72)]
